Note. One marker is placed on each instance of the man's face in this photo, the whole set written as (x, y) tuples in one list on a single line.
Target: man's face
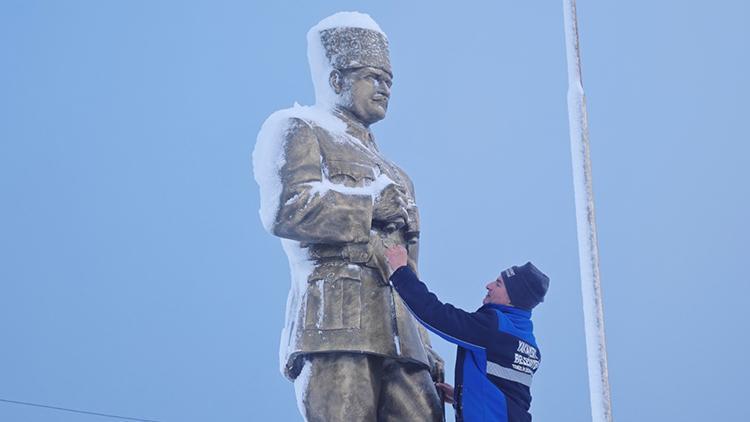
[(496, 292), (365, 93)]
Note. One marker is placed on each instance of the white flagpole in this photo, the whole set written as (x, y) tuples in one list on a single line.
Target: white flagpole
[(588, 246)]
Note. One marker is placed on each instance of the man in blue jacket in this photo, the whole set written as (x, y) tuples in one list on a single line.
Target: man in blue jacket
[(497, 352)]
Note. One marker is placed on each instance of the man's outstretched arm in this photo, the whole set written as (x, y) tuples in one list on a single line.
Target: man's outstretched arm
[(467, 329)]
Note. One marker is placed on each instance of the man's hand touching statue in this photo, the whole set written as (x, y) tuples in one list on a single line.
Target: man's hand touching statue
[(397, 257)]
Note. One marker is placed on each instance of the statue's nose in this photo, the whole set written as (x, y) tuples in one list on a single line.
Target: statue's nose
[(384, 89)]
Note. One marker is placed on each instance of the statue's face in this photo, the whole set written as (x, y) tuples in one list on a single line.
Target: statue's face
[(364, 92)]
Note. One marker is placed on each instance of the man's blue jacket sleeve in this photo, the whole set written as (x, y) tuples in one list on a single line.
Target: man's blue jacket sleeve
[(466, 329)]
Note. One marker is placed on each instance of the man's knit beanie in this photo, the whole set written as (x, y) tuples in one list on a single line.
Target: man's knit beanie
[(526, 285)]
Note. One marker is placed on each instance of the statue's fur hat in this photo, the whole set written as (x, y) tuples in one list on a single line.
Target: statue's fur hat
[(345, 40), (349, 48)]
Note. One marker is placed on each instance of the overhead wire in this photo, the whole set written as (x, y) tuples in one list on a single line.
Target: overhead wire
[(85, 412)]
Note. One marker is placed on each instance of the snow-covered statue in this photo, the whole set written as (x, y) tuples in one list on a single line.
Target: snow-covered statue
[(351, 346)]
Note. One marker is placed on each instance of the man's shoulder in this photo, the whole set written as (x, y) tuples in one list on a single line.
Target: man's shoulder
[(487, 315), (515, 322)]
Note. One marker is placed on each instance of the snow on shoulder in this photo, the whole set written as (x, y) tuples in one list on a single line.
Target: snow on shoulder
[(268, 158), (268, 155)]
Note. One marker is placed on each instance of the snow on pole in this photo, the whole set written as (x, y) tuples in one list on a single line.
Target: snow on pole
[(588, 245)]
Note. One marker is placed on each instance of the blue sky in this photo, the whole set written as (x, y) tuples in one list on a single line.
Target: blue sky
[(135, 276)]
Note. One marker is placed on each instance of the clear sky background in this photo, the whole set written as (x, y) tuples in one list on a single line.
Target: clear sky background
[(135, 276)]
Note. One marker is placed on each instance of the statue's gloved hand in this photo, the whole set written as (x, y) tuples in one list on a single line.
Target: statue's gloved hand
[(390, 208)]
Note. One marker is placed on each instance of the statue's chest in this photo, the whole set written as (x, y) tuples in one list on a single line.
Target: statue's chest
[(349, 162)]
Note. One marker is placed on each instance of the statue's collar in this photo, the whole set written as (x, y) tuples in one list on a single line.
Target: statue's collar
[(355, 128)]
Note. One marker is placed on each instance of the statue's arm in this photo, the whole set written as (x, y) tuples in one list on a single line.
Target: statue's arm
[(412, 226), (308, 211), (437, 364)]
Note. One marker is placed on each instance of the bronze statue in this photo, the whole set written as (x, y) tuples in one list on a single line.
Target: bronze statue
[(351, 345)]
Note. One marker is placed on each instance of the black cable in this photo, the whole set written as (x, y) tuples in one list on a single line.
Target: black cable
[(76, 411)]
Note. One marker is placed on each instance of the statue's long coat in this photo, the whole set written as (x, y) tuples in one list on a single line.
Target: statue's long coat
[(325, 210)]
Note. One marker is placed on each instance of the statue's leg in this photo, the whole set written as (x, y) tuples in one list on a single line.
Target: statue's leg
[(407, 393), (339, 387)]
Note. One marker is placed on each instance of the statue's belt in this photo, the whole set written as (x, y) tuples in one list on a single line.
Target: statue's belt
[(360, 254), (355, 253)]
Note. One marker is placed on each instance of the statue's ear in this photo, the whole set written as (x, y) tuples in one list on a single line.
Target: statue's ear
[(336, 80)]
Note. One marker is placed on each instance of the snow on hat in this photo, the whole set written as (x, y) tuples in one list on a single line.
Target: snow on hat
[(526, 285), (344, 40)]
